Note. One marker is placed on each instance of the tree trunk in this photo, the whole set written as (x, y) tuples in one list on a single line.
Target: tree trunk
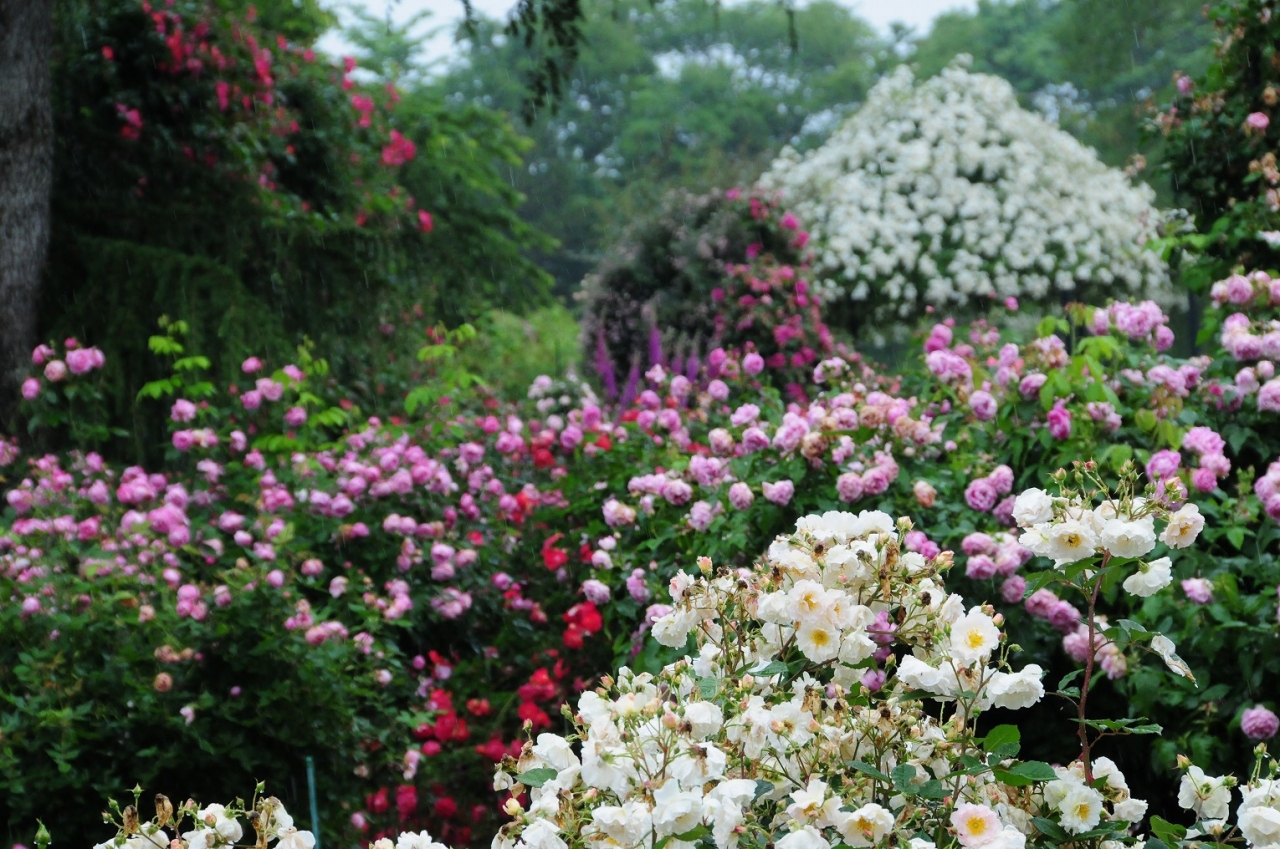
[(26, 179)]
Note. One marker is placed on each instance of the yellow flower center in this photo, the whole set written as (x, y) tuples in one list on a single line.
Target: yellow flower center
[(975, 639), (819, 637), (1072, 539), (977, 825), (1082, 810)]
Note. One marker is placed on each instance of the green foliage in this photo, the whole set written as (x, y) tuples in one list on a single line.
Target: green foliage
[(211, 165), (1092, 64), (511, 349), (682, 93), (1223, 169)]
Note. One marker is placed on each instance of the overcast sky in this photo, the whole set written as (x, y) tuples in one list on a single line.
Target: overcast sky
[(446, 13)]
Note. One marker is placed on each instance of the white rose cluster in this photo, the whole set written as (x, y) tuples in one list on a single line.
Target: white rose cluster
[(798, 718), (1068, 529), (948, 191), (215, 825)]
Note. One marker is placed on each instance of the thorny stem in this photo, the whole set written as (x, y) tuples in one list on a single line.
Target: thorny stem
[(1088, 672)]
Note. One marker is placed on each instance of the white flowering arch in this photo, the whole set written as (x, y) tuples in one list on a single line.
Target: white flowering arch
[(948, 191)]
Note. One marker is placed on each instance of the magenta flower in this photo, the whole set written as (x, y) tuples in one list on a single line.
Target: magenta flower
[(779, 493), (1259, 723), (1059, 421)]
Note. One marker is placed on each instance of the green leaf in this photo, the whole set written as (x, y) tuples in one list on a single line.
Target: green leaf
[(708, 687), (537, 777), (694, 833), (1000, 736), (1235, 534), (1051, 830), (763, 788), (1168, 832), (903, 775), (1034, 770), (773, 667), (868, 769), (932, 789)]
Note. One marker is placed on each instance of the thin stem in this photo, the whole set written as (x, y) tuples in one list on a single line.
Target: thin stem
[(1088, 672)]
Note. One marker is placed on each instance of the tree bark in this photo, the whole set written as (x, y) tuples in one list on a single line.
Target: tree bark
[(26, 182)]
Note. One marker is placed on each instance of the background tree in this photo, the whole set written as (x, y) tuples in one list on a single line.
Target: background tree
[(685, 94), (26, 154), (210, 165)]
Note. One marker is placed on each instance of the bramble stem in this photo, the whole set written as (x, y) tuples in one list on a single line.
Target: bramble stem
[(1088, 672)]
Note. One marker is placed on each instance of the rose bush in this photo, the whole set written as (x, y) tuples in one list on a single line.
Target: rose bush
[(457, 567), (947, 193), (776, 726)]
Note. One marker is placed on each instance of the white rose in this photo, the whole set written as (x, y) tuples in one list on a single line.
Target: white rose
[(1069, 541), (803, 838), (1128, 539), (1017, 690), (1184, 527), (1208, 796), (1150, 578), (1260, 826), (1130, 810), (1168, 652), (918, 675), (1032, 507), (541, 834)]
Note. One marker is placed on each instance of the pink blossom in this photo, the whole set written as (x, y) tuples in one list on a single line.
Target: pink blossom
[(1031, 384), (849, 486), (981, 495), (983, 405), (1198, 590), (182, 411), (1269, 396), (1259, 723), (597, 592), (1040, 602), (637, 587), (701, 515), (81, 360), (753, 363), (1163, 464), (30, 388), (980, 567), (1257, 121), (779, 493), (741, 496), (295, 416), (1059, 421), (1013, 589), (55, 371), (251, 365)]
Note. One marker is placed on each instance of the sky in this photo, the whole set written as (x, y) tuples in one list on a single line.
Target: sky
[(446, 13)]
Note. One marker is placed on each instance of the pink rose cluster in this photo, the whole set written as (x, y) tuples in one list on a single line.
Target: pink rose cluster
[(1267, 488), (1105, 652), (1246, 290), (997, 555), (1212, 463), (1143, 322), (983, 494), (78, 361)]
